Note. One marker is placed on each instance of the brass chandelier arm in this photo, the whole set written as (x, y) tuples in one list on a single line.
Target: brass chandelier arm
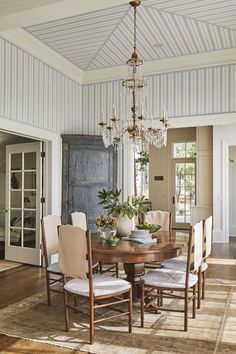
[(133, 128)]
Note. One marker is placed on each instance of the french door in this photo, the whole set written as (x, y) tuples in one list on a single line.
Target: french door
[(184, 191), (23, 197)]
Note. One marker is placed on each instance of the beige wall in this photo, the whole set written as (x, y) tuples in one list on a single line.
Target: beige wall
[(160, 192)]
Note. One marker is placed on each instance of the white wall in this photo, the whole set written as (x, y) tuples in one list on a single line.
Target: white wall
[(223, 137), (232, 191)]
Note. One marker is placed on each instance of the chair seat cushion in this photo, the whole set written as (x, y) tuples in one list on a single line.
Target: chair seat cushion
[(53, 268), (204, 266), (175, 264), (168, 278), (102, 285)]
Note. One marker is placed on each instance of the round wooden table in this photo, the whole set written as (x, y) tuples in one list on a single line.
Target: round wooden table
[(133, 255)]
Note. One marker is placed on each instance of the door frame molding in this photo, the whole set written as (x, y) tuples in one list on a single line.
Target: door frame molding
[(53, 161)]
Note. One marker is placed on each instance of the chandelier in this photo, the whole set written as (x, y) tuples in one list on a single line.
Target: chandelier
[(134, 129)]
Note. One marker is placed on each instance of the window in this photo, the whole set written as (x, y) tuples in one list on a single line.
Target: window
[(184, 150)]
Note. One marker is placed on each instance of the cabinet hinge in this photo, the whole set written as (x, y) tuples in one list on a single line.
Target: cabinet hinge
[(42, 200), (43, 154)]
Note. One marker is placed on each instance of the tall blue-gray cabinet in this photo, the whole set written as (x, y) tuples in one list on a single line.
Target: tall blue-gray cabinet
[(87, 168)]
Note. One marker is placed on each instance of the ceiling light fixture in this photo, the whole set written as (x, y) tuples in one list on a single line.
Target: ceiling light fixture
[(134, 128)]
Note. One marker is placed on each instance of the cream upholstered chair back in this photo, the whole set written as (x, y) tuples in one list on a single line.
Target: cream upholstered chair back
[(73, 251), (207, 236), (158, 217), (198, 241), (50, 235), (79, 219)]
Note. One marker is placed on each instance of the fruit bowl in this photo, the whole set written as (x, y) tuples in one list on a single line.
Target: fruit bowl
[(112, 241), (152, 228)]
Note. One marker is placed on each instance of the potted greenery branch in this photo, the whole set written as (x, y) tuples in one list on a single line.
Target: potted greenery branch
[(124, 212)]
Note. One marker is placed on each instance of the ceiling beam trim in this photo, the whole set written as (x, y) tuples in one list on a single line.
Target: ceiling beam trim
[(41, 51), (38, 49)]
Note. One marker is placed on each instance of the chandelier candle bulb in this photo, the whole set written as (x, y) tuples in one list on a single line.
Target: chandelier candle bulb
[(114, 111)]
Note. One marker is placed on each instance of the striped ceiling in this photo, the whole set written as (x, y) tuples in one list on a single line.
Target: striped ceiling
[(166, 29)]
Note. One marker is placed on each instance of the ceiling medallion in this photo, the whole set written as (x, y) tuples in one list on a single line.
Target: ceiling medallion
[(134, 128)]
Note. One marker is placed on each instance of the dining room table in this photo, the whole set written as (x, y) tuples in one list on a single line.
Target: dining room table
[(133, 255)]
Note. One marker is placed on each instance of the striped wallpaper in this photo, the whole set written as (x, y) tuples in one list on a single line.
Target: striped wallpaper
[(193, 92), (35, 93)]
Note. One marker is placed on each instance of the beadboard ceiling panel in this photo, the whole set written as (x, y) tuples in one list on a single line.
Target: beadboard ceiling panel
[(166, 29), (218, 12)]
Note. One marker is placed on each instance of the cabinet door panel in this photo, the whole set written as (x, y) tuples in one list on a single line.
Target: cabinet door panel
[(87, 168)]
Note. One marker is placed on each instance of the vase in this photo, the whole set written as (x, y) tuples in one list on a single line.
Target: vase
[(107, 231), (124, 225)]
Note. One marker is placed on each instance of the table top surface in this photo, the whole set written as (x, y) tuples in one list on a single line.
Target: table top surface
[(168, 245)]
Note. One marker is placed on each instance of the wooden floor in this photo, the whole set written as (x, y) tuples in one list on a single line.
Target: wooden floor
[(25, 281)]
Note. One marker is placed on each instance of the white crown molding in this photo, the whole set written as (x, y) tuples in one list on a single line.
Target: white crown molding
[(219, 57), (37, 48), (41, 51), (58, 10), (203, 120)]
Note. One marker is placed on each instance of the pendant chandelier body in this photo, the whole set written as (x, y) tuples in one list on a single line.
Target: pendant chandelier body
[(134, 128)]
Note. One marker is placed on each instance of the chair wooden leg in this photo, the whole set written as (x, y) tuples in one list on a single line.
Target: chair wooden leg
[(130, 309), (75, 302), (48, 288), (117, 270), (203, 284), (199, 292), (100, 268), (194, 301), (186, 311), (142, 304), (161, 300), (91, 319), (66, 311)]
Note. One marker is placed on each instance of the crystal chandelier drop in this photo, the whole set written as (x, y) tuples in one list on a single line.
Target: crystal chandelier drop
[(134, 129)]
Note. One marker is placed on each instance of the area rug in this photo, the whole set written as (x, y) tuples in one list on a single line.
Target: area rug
[(213, 331), (5, 265)]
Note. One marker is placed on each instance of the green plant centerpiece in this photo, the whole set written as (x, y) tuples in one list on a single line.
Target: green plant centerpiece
[(123, 211)]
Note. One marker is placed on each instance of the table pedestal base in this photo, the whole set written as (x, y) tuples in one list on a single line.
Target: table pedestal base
[(134, 271)]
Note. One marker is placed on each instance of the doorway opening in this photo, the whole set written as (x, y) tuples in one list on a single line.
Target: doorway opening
[(184, 181)]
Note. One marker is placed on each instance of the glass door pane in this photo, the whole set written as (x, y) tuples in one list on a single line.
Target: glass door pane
[(184, 191), (23, 188)]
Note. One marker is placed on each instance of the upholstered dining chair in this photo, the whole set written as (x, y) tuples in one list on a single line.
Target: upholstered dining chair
[(162, 218), (158, 217), (180, 264), (80, 219), (49, 225), (167, 281), (207, 241), (75, 261)]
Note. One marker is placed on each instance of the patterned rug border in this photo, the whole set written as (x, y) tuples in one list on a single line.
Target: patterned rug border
[(42, 298)]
